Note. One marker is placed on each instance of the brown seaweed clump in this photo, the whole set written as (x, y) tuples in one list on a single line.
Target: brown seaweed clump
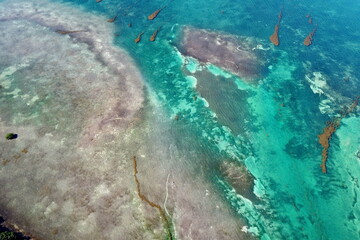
[(154, 14), (329, 130), (111, 20), (274, 38), (308, 39), (324, 139), (152, 204), (153, 36), (138, 39)]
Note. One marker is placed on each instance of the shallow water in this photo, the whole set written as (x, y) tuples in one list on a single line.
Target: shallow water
[(225, 155)]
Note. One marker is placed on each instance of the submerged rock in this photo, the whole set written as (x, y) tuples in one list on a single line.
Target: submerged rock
[(233, 53), (11, 136)]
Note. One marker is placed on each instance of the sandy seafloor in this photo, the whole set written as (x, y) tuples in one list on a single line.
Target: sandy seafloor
[(225, 155)]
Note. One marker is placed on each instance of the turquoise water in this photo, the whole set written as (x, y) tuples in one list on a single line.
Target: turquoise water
[(280, 145), (271, 126)]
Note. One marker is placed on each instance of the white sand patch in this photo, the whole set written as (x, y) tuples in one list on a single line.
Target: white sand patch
[(317, 83), (71, 99), (330, 99)]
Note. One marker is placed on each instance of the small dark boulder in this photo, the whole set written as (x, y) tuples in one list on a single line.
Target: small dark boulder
[(11, 136)]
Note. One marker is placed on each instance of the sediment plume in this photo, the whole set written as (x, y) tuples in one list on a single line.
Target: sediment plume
[(308, 39), (274, 38), (152, 204), (329, 130)]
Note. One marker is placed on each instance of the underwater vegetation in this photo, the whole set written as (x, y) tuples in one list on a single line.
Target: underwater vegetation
[(7, 236), (309, 38), (329, 130), (152, 204), (154, 14), (274, 38), (138, 38), (153, 36)]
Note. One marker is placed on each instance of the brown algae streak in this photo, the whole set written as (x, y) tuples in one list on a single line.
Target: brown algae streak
[(153, 36), (138, 39), (111, 20), (68, 32), (329, 130), (308, 39), (154, 14), (274, 38), (324, 139), (152, 204)]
